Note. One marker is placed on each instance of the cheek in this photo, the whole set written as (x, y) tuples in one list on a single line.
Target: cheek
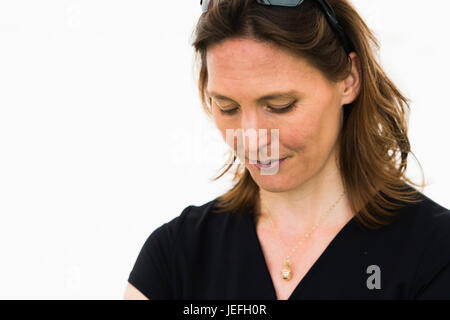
[(222, 124), (301, 134), (219, 121)]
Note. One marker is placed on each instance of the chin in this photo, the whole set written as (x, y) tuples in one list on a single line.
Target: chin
[(273, 190), (271, 183), (274, 187)]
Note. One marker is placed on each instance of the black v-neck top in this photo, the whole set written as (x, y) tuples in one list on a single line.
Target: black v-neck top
[(209, 255)]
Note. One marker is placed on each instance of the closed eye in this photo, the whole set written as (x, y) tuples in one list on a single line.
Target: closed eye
[(278, 110)]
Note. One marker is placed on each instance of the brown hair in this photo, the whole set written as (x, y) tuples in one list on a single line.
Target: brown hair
[(373, 141)]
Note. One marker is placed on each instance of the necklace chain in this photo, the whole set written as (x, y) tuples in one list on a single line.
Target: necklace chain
[(286, 272)]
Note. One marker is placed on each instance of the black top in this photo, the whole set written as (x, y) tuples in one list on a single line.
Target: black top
[(205, 255)]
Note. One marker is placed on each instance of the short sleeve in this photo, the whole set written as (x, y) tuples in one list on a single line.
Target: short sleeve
[(152, 272)]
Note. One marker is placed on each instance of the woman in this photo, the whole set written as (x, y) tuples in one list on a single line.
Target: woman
[(337, 218)]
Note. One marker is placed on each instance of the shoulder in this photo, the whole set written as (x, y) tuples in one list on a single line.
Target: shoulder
[(427, 221), (432, 223), (428, 216), (434, 219), (155, 267), (204, 222), (427, 227), (424, 217), (196, 221)]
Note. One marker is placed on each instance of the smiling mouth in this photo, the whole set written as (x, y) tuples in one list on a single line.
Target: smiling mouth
[(270, 161), (270, 164)]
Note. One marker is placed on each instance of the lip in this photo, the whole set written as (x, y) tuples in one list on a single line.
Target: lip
[(268, 159), (270, 165)]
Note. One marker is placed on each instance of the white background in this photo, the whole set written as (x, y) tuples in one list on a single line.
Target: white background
[(103, 139)]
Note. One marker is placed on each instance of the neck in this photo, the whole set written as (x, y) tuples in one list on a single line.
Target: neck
[(304, 206)]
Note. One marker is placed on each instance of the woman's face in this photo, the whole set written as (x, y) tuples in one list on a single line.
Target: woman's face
[(240, 72)]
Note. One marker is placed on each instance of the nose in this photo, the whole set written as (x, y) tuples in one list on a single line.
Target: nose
[(252, 125), (256, 137)]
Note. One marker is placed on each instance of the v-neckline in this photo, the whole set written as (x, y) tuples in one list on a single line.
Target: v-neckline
[(315, 265)]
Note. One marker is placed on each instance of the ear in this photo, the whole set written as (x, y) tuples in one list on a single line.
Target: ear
[(351, 85)]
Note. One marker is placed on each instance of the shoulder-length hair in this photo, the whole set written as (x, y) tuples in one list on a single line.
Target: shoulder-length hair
[(373, 141)]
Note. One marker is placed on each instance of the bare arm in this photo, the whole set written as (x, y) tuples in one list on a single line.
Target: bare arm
[(131, 293)]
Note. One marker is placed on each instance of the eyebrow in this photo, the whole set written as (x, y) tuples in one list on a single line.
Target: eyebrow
[(271, 96)]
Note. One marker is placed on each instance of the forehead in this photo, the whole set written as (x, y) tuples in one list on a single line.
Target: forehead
[(244, 60)]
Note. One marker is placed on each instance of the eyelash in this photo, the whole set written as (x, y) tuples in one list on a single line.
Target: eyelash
[(274, 110)]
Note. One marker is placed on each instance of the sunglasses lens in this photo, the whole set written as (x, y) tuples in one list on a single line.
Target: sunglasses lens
[(285, 3), (205, 5)]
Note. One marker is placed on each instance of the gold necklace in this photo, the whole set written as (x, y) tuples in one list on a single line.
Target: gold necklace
[(286, 271)]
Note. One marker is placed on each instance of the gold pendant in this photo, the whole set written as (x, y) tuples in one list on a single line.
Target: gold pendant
[(286, 272)]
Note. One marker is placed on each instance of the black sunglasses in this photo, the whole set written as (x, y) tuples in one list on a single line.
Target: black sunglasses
[(324, 5)]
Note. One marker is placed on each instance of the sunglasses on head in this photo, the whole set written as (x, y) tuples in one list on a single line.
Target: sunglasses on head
[(323, 4)]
